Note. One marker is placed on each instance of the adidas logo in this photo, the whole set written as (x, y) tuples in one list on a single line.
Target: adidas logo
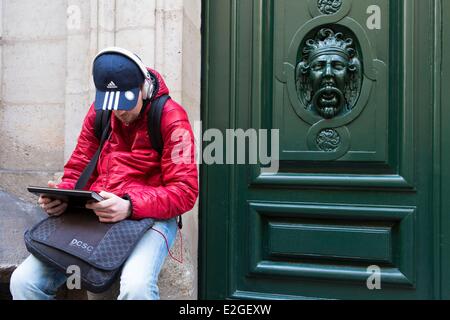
[(112, 85)]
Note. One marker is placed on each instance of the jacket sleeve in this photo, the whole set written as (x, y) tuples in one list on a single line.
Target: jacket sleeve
[(179, 189), (86, 147)]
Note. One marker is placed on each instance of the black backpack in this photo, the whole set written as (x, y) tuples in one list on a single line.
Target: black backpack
[(102, 118)]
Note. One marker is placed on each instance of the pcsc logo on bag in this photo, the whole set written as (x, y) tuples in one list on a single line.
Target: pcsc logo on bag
[(81, 245)]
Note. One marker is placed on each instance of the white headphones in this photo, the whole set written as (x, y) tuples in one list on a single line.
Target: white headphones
[(148, 82)]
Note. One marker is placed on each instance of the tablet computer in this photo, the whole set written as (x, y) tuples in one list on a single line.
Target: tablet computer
[(76, 198)]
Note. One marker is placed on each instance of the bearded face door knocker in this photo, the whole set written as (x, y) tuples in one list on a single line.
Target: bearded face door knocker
[(329, 75)]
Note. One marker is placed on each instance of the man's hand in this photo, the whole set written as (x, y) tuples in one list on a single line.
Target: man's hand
[(111, 210), (51, 206)]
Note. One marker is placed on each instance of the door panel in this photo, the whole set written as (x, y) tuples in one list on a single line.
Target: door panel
[(353, 106), (375, 138), (297, 114)]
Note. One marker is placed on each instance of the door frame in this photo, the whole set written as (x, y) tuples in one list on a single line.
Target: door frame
[(441, 143)]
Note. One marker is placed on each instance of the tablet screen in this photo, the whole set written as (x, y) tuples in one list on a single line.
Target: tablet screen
[(74, 198)]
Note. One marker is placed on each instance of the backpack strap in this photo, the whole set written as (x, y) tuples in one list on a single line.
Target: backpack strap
[(87, 172), (154, 122), (154, 130), (101, 120)]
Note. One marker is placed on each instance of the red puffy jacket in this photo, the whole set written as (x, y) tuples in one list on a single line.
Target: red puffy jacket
[(157, 186)]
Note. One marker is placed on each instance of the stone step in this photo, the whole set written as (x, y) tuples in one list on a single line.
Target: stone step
[(176, 280)]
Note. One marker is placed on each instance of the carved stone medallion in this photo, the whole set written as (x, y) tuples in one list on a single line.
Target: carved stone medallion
[(329, 6), (328, 140)]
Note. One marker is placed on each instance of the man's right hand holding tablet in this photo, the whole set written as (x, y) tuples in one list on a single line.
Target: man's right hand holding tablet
[(53, 207)]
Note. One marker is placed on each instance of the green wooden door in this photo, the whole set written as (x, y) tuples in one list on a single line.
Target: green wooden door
[(355, 92)]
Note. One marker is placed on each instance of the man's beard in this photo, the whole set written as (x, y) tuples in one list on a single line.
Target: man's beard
[(126, 119)]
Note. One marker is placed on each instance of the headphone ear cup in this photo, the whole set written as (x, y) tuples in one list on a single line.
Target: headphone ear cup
[(146, 90)]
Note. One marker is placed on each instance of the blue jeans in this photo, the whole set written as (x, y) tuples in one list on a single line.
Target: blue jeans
[(35, 280)]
